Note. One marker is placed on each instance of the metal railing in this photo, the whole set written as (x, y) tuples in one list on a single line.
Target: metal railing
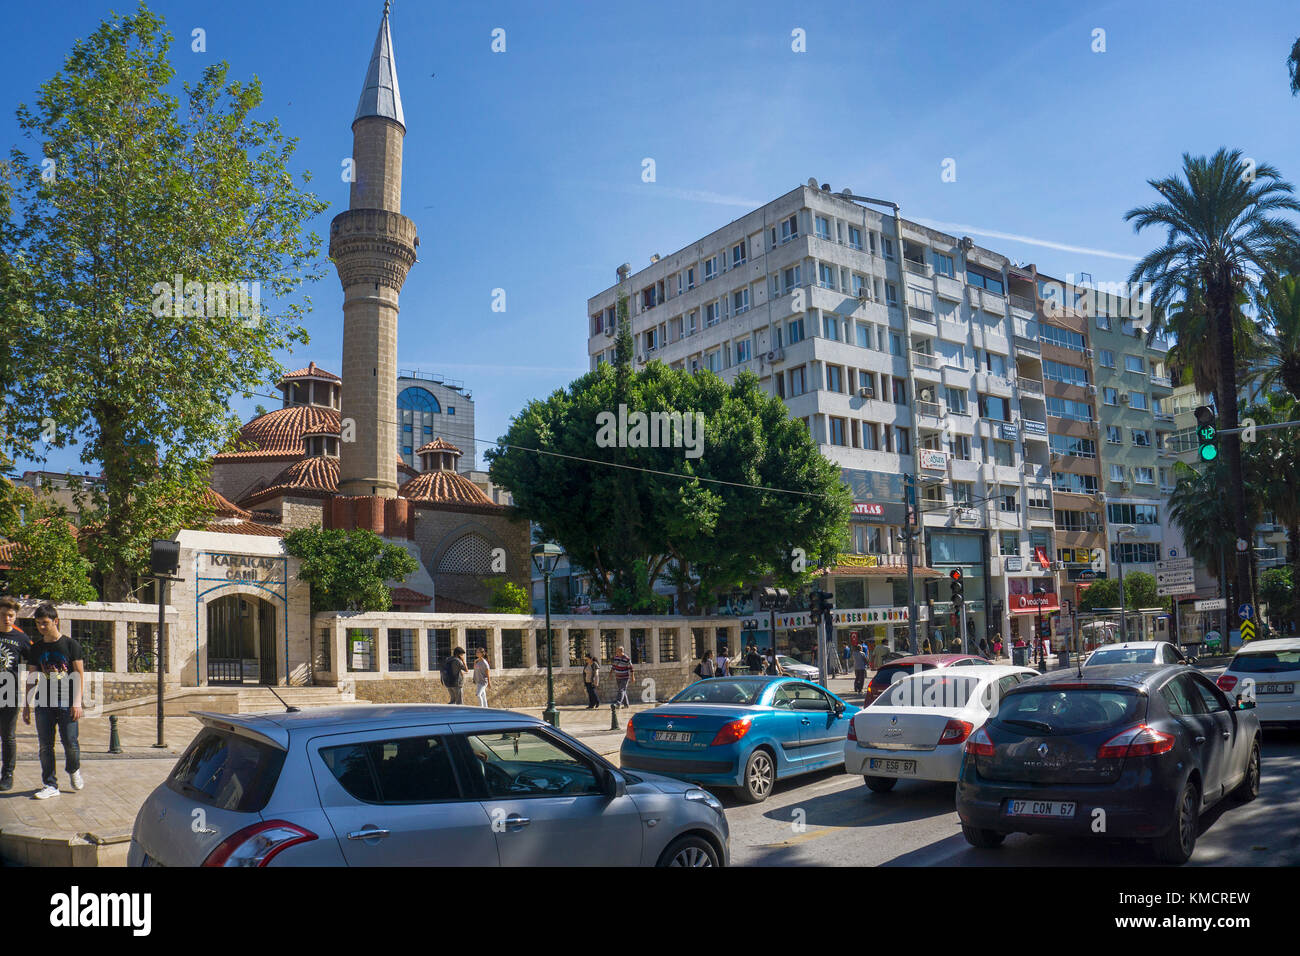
[(1031, 386), (916, 268), (1021, 302), (929, 408), (925, 360), (1163, 380)]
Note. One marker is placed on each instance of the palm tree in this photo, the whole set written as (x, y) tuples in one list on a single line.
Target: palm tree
[(1274, 460), (1223, 238), (1279, 353), (1194, 357), (1196, 507)]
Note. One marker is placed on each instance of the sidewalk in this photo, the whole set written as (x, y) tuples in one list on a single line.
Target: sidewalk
[(93, 826)]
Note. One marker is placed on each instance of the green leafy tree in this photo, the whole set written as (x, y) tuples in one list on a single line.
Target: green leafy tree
[(508, 597), (1140, 591), (1223, 237), (347, 570), (1273, 460), (128, 191), (1293, 67), (47, 564), (1101, 593), (758, 501), (1277, 590)]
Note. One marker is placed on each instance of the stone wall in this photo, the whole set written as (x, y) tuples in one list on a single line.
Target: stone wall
[(234, 478), (436, 531)]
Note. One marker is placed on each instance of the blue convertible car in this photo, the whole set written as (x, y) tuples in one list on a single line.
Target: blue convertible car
[(742, 732)]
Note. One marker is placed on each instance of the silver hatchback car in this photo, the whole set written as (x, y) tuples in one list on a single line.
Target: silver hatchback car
[(415, 785)]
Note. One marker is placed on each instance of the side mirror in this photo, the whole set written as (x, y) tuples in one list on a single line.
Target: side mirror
[(1245, 703), (839, 708), (614, 785)]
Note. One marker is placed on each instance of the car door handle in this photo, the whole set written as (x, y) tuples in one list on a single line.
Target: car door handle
[(806, 722), (368, 834), (515, 820), (1198, 740), (1226, 735)]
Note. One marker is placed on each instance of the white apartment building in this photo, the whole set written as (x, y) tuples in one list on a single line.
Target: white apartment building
[(899, 352)]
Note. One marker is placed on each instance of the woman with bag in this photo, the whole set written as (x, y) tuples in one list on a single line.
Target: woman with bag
[(704, 669)]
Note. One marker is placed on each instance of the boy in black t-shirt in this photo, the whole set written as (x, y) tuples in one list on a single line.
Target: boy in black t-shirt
[(55, 669), (13, 658)]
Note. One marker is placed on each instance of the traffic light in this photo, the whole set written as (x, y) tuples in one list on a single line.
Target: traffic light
[(957, 599), (828, 602), (815, 605), (1207, 433)]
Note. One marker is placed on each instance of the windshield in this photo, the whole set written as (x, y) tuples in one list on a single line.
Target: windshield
[(1266, 662), (790, 661), (1124, 655), (929, 690), (1075, 710), (721, 691)]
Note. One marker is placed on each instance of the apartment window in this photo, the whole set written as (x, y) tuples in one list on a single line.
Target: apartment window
[(690, 278), (1003, 452), (960, 447), (648, 299), (825, 276), (996, 364), (900, 391), (712, 314), (1074, 484), (1062, 337), (962, 493), (984, 280), (1069, 374), (1134, 363), (855, 238), (1137, 399), (895, 344), (835, 378), (1133, 514), (870, 436), (740, 301), (837, 431), (1103, 323), (867, 380), (998, 409), (1107, 358), (780, 384), (1116, 472), (891, 295), (651, 340), (831, 327), (1110, 396), (859, 285), (1064, 408), (1145, 476), (904, 441), (713, 361), (1141, 437), (823, 227), (864, 335), (738, 254), (789, 229), (1075, 447), (887, 247), (956, 399), (932, 493), (710, 268), (1135, 553), (1008, 543), (942, 264), (1114, 435), (794, 331), (791, 278), (1007, 498), (692, 321), (797, 384), (744, 350)]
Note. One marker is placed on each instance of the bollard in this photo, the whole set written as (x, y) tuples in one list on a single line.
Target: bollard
[(114, 741), (613, 715)]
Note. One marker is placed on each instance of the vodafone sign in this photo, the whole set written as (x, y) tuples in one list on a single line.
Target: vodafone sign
[(1032, 602)]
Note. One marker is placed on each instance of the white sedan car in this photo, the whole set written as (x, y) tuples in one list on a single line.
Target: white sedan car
[(1268, 671), (915, 730), (1138, 652)]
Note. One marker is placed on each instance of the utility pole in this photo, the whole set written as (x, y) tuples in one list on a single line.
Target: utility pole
[(909, 503)]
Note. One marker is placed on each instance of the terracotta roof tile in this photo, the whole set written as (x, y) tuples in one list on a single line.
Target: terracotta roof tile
[(223, 506), (245, 527), (407, 596), (316, 476), (311, 371), (438, 444), (279, 432), (444, 487)]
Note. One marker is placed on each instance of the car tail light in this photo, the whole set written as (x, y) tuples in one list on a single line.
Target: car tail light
[(853, 731), (956, 731), (1139, 741), (1227, 682), (258, 844), (630, 734), (980, 744), (730, 732)]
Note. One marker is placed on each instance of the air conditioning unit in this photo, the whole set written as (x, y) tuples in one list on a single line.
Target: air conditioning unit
[(609, 331), (864, 294), (1123, 398), (776, 355), (865, 392), (1092, 389)]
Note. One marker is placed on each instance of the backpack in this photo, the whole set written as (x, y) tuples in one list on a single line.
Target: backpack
[(448, 674)]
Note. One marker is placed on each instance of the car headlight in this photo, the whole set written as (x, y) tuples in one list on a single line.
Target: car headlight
[(703, 796)]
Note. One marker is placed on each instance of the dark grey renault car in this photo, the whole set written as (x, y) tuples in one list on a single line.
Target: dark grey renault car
[(415, 785), (1135, 751)]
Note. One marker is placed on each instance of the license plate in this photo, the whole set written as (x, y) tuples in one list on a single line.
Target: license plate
[(1275, 688), (672, 736), (892, 766), (1057, 809)]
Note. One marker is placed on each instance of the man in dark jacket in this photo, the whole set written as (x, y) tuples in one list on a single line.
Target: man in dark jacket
[(13, 657)]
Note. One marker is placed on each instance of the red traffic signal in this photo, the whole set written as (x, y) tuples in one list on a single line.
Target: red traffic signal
[(955, 574)]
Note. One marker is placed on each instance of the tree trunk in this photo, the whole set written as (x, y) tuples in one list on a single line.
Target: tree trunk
[(1293, 558), (1219, 296)]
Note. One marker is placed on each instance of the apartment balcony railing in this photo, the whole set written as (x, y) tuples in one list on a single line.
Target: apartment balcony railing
[(917, 268), (1039, 514), (920, 315), (929, 408), (1164, 417), (1021, 302), (1030, 386), (1163, 381), (926, 360), (1028, 345)]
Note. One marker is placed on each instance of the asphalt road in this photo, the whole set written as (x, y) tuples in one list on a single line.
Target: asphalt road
[(832, 819)]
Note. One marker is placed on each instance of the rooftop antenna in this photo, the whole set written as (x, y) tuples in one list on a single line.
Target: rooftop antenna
[(288, 709)]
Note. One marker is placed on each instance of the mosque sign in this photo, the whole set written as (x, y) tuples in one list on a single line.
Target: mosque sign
[(243, 568)]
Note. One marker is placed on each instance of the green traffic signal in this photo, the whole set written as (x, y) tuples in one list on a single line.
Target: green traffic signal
[(1209, 452), (1207, 433)]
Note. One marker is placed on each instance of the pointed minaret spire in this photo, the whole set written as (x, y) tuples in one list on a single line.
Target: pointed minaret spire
[(381, 96)]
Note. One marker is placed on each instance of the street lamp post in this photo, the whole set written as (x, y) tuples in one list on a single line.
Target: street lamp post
[(1121, 532), (545, 558)]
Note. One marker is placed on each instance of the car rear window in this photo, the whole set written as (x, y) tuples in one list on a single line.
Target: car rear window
[(890, 673), (1265, 662), (227, 771), (721, 691), (1072, 710), (1124, 655), (936, 689)]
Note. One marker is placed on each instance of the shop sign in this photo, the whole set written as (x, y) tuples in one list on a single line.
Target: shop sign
[(1033, 602), (1008, 432), (933, 460), (868, 508), (1033, 427), (1014, 564), (865, 615), (857, 561)]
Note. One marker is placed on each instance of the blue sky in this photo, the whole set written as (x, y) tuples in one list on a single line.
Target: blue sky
[(523, 168)]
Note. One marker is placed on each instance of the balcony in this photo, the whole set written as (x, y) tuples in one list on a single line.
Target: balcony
[(1021, 302), (917, 268), (1027, 345), (926, 360), (933, 409), (1029, 386), (1161, 381), (1039, 514)]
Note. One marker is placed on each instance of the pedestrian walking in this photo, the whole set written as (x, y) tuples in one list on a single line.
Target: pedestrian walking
[(753, 661), (984, 648), (722, 666), (848, 658), (482, 675), (56, 673), (704, 669), (773, 667), (925, 646), (878, 654), (621, 667), (859, 668), (453, 676), (590, 678), (997, 647), (13, 660)]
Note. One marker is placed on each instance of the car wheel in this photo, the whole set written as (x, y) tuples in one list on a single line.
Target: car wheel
[(880, 784), (984, 839), (1249, 788), (1177, 845), (760, 775), (689, 851)]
